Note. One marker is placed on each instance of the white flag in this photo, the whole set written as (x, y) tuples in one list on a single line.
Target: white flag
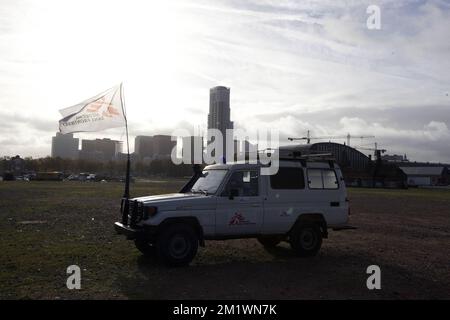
[(98, 113)]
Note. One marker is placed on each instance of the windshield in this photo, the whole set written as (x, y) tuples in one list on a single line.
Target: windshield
[(209, 181)]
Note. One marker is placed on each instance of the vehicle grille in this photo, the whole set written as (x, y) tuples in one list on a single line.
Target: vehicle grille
[(132, 212)]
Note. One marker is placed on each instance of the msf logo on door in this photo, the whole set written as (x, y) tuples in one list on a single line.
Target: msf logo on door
[(238, 219)]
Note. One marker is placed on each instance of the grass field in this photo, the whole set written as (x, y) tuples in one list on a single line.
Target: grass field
[(47, 226)]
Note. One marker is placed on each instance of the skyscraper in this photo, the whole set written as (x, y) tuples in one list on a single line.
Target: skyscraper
[(64, 146), (219, 111)]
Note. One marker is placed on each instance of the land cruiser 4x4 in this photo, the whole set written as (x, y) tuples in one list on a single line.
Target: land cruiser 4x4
[(229, 201)]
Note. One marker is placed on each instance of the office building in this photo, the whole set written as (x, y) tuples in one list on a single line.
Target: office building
[(64, 146), (100, 149), (162, 146), (143, 147), (149, 148)]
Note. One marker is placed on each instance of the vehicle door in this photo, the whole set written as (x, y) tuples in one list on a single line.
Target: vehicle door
[(239, 206), (328, 197)]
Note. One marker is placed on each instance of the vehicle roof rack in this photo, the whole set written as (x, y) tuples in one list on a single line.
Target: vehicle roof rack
[(297, 153), (303, 152), (318, 157)]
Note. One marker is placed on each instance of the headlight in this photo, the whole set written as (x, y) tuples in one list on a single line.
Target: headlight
[(149, 212)]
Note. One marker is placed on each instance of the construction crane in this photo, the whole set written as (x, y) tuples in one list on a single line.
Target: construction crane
[(376, 152), (308, 138)]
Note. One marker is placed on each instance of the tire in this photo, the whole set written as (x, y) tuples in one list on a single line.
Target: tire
[(145, 247), (306, 239), (177, 245), (270, 241)]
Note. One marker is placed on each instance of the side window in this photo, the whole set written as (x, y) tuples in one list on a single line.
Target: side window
[(315, 179), (322, 179), (329, 179), (245, 183), (288, 178)]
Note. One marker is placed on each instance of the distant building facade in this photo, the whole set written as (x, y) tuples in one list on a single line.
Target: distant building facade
[(143, 147), (124, 156), (162, 146), (100, 149), (65, 146), (149, 148), (427, 176), (394, 158)]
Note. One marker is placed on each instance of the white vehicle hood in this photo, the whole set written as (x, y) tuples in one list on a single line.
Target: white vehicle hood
[(178, 201)]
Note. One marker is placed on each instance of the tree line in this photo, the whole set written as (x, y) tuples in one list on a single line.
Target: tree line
[(159, 167)]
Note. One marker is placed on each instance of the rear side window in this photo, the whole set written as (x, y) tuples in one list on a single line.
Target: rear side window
[(315, 179), (329, 179), (288, 178), (322, 179)]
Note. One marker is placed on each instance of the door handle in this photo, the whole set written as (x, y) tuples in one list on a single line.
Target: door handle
[(334, 204)]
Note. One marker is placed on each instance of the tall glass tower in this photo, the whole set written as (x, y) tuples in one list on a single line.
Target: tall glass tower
[(219, 111)]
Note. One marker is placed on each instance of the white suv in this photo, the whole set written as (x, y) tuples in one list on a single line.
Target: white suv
[(230, 201)]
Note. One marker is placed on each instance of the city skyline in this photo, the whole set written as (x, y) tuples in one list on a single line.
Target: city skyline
[(293, 66)]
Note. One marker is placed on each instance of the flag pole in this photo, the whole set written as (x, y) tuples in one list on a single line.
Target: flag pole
[(126, 193), (124, 206)]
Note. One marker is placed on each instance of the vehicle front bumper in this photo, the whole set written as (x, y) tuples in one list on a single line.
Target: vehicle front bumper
[(146, 232), (129, 232)]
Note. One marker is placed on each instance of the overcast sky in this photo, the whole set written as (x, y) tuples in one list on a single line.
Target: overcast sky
[(291, 65)]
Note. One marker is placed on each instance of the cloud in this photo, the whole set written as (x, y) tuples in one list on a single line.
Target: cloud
[(292, 65), (423, 134)]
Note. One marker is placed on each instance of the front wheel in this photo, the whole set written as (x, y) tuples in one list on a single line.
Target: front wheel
[(306, 239), (177, 244)]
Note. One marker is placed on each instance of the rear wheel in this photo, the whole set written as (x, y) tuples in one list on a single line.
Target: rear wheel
[(306, 239), (177, 244), (269, 241), (145, 247)]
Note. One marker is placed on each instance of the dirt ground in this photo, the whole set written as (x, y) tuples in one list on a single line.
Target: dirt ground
[(47, 226)]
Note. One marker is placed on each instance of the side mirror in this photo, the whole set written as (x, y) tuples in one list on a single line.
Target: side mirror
[(233, 193)]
